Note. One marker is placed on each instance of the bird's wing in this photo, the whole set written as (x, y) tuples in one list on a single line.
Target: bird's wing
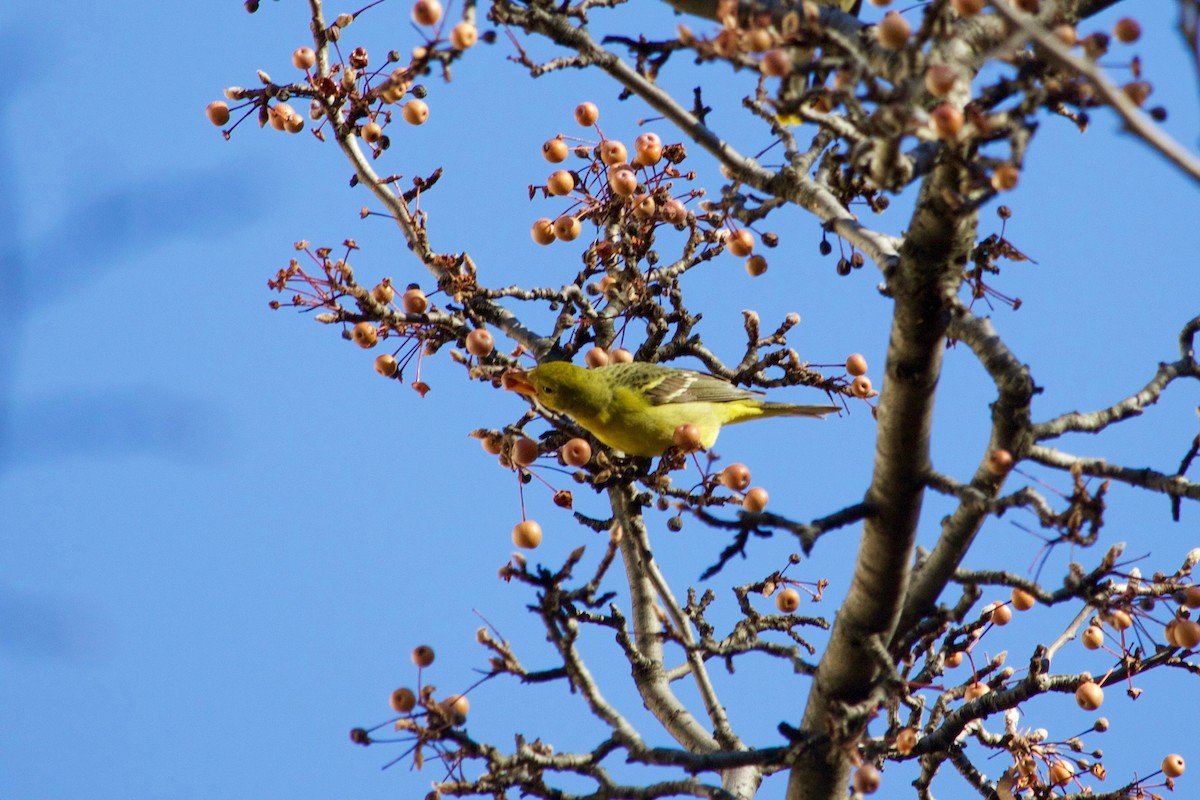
[(687, 386)]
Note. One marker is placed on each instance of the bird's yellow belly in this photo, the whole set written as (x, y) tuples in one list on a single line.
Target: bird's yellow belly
[(649, 432)]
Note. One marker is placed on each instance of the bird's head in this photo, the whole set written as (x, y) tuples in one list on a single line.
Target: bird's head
[(557, 385)]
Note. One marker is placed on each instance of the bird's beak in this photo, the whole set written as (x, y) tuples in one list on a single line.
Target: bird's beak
[(515, 380)]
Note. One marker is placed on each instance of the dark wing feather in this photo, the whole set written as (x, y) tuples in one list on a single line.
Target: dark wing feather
[(688, 386)]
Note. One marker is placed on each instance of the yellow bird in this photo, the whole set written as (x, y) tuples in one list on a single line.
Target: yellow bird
[(635, 408)]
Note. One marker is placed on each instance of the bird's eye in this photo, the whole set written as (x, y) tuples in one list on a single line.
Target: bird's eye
[(548, 390)]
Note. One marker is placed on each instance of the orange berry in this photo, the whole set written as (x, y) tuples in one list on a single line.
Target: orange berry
[(647, 142), (457, 706), (1061, 773), (861, 387), (403, 701), (947, 120), (480, 343), (279, 114), (463, 36), (561, 182), (492, 444), (1191, 597), (372, 132), (755, 266), (1137, 91), (1173, 765), (576, 452), (386, 365), (674, 212), (967, 8), (383, 292), (414, 301), (1022, 600), (940, 80), (527, 534), (999, 462), (1169, 632), (643, 206), (1089, 696), (217, 112), (622, 180), (906, 740), (621, 356), (1119, 620), (788, 600), (422, 655), (893, 30), (856, 365), (1001, 615), (648, 157), (1127, 30), (1005, 178), (740, 243), (415, 112), (1187, 634), (755, 500), (542, 231), (1066, 34), (427, 12), (567, 228), (735, 477), (304, 58), (686, 437), (524, 452), (365, 335), (977, 690), (866, 779), (596, 357), (1092, 637), (613, 152), (954, 659), (776, 63), (586, 114), (555, 150)]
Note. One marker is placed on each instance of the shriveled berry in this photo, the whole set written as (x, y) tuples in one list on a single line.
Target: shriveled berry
[(674, 212)]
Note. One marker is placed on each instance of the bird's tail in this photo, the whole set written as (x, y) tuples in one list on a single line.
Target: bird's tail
[(790, 410)]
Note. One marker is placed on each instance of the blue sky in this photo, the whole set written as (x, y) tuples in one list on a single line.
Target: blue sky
[(222, 533)]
